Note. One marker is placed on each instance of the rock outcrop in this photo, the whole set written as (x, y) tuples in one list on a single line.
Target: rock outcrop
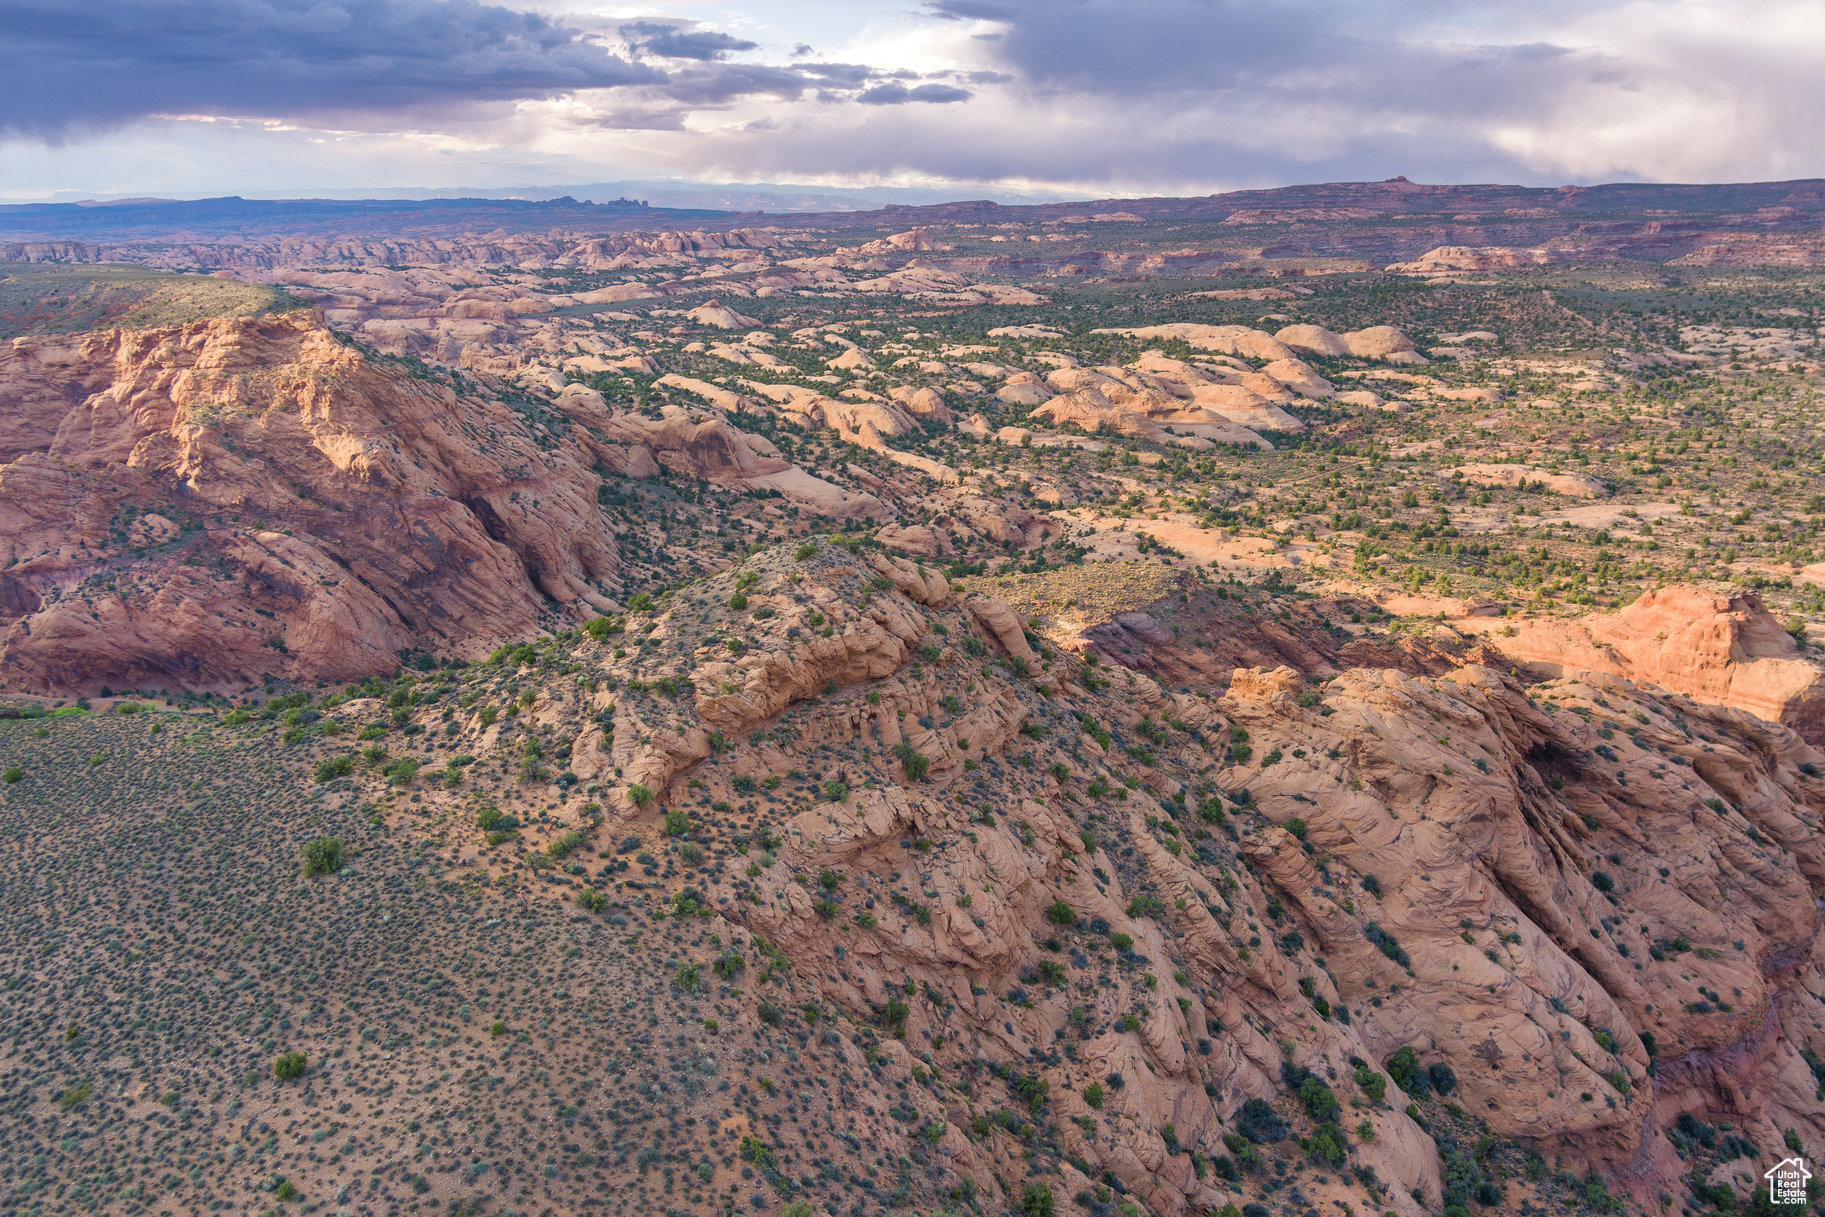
[(1583, 909), (1724, 649), (1577, 485), (199, 507)]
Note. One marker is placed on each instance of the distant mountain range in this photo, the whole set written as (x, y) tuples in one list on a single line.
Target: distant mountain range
[(669, 193), (1508, 214)]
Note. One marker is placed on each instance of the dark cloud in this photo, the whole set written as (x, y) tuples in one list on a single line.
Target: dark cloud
[(75, 64), (1381, 65), (896, 94), (852, 75), (671, 42), (724, 82)]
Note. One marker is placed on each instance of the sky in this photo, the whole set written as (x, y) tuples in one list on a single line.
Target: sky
[(1084, 98)]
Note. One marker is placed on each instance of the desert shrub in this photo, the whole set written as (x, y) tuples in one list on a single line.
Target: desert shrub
[(1260, 1123), (11, 774), (1404, 1068), (592, 900), (677, 822), (323, 856), (1386, 943), (1036, 1201), (491, 818), (1061, 913), (1327, 1145), (1443, 1080), (566, 844), (893, 1014), (335, 767), (915, 763), (639, 795), (289, 1066), (1372, 1084), (1320, 1101), (1146, 906)]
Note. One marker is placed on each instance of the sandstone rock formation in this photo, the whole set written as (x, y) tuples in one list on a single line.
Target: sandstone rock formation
[(1458, 259), (1577, 485), (1163, 905), (1379, 342), (1724, 649), (201, 506)]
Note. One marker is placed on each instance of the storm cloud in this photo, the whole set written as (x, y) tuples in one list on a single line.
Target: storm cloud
[(74, 64), (1083, 96)]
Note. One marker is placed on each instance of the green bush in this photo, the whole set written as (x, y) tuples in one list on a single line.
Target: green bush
[(894, 1013), (323, 856), (1036, 1201), (738, 602), (289, 1066), (565, 845), (1093, 1095), (592, 900), (335, 767), (1327, 1145), (1371, 1083), (1404, 1068), (915, 763), (1320, 1101), (640, 795), (11, 774), (677, 822), (1061, 913)]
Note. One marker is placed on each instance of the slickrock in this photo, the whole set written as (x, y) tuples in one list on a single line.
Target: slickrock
[(1728, 650), (1577, 485)]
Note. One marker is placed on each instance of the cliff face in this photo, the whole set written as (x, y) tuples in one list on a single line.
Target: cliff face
[(1586, 909), (198, 506)]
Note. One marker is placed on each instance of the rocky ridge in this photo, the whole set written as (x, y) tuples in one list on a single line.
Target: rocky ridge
[(1088, 918), (201, 506)]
